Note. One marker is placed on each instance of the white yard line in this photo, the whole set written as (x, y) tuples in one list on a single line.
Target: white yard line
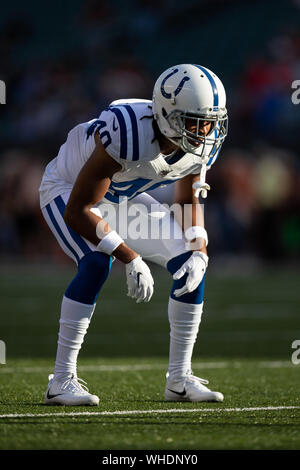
[(141, 367), (143, 412), (276, 364)]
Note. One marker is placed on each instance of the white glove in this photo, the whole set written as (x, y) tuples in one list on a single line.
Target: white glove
[(201, 188), (195, 266), (139, 280)]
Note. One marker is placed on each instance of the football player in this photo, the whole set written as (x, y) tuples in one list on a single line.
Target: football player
[(134, 146)]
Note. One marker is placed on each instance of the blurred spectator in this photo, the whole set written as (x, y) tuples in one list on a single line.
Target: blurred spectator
[(276, 227), (20, 179), (230, 214), (125, 79), (265, 96)]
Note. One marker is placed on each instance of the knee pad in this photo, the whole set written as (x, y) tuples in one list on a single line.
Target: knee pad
[(93, 270), (195, 297)]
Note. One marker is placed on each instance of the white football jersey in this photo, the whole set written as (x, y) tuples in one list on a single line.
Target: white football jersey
[(126, 131)]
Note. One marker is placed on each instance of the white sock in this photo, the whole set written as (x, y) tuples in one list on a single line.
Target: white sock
[(74, 321), (184, 324)]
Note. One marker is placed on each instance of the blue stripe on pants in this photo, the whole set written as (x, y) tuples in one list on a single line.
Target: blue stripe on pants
[(60, 233), (76, 237)]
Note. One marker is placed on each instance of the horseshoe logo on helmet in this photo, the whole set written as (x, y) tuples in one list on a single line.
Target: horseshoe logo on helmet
[(178, 89)]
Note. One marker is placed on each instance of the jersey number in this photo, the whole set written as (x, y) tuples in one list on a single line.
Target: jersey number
[(97, 126)]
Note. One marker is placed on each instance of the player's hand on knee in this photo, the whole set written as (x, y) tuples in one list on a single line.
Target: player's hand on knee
[(195, 267), (139, 280)]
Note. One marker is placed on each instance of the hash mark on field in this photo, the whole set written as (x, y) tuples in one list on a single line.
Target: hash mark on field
[(114, 367), (162, 411), (141, 367)]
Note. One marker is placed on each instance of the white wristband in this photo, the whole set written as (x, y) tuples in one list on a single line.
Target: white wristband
[(110, 242), (196, 232)]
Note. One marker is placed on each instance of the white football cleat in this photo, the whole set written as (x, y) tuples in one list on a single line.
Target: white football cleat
[(191, 389), (69, 392)]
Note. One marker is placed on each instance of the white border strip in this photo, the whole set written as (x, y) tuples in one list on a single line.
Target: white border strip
[(142, 412)]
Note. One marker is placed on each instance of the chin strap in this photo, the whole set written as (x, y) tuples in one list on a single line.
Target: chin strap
[(201, 187)]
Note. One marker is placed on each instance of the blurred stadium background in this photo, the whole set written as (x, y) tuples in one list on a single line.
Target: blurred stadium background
[(62, 63)]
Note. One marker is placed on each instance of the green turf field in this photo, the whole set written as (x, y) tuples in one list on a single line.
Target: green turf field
[(243, 349)]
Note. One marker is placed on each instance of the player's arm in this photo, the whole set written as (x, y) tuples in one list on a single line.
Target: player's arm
[(192, 222), (90, 187), (192, 212)]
